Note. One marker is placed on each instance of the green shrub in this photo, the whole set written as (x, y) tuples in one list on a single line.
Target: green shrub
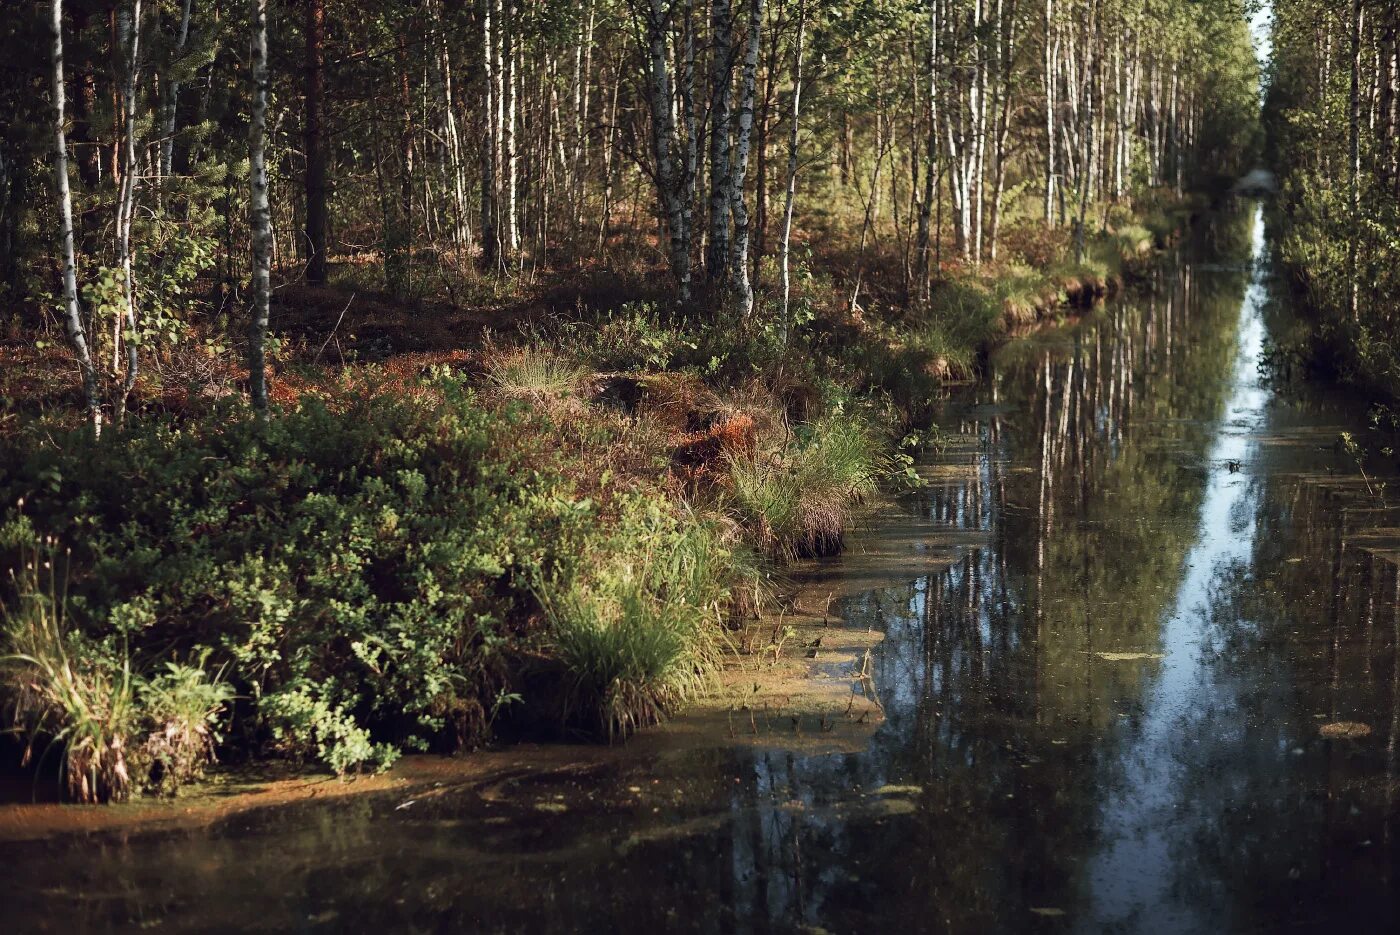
[(635, 337), (356, 571), (183, 705)]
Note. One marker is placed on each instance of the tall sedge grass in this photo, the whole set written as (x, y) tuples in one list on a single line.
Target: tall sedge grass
[(117, 733), (531, 371), (62, 694), (637, 635), (798, 502)]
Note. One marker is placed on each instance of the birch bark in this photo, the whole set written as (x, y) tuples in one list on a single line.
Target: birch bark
[(260, 215), (73, 317), (740, 284)]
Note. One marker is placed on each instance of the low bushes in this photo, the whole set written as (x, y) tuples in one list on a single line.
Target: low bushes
[(354, 580), (356, 572), (382, 570)]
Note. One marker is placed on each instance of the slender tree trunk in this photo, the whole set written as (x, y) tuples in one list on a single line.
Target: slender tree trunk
[(1086, 131), (1354, 163), (785, 246), (398, 213), (762, 185), (14, 172), (721, 70), (314, 139), (690, 172), (739, 250), (126, 209), (73, 316), (932, 190), (583, 72), (260, 214), (171, 94), (1050, 141), (1389, 130), (461, 221), (490, 143), (86, 150), (1006, 18), (609, 148), (670, 182), (511, 83), (979, 127)]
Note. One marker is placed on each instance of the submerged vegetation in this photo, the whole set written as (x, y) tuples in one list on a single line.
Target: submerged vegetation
[(561, 336)]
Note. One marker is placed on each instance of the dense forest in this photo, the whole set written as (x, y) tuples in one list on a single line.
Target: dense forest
[(1333, 120), (384, 377)]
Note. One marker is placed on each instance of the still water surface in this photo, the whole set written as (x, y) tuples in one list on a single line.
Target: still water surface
[(1159, 692)]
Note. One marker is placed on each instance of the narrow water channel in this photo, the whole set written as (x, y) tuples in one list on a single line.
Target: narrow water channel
[(1159, 692)]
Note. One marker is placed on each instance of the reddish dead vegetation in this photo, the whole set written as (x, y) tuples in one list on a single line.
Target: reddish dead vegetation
[(698, 453), (401, 375)]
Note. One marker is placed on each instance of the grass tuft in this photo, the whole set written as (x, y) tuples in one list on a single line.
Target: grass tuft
[(533, 372), (798, 502), (636, 635), (63, 693)]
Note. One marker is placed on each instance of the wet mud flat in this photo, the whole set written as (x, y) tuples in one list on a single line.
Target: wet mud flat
[(1130, 662)]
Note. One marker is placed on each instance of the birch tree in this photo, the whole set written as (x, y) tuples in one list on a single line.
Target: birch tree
[(260, 214), (721, 75), (124, 333), (72, 310), (672, 178), (790, 195), (739, 251)]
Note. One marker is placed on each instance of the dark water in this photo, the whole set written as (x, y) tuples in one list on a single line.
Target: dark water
[(1119, 713)]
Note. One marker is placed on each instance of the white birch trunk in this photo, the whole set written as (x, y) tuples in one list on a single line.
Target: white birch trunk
[(260, 214), (490, 144), (740, 285), (126, 209), (73, 316), (721, 71), (670, 185)]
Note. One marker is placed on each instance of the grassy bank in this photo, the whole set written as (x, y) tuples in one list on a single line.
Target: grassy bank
[(548, 528)]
